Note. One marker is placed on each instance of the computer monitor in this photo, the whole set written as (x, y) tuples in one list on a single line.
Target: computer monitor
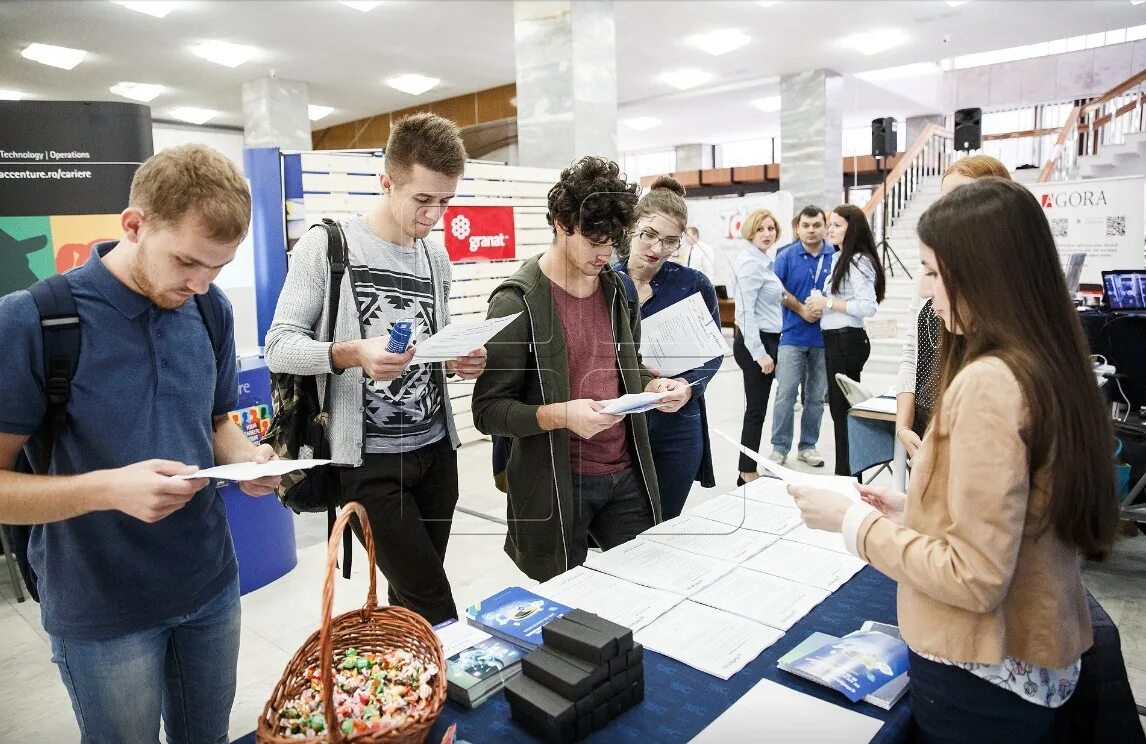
[(1074, 273), (1124, 290)]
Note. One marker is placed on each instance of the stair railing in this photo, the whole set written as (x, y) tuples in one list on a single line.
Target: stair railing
[(928, 156)]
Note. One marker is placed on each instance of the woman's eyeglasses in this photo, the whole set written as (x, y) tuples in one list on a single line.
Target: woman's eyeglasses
[(669, 243)]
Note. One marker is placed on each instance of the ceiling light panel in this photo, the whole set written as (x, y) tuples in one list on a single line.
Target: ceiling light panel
[(686, 78), (720, 42), (314, 113), (415, 85), (156, 9), (875, 41), (193, 115), (362, 5), (54, 56), (11, 95), (767, 105), (142, 92), (224, 53)]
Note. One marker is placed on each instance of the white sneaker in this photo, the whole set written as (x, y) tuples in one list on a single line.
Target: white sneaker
[(778, 457), (811, 457)]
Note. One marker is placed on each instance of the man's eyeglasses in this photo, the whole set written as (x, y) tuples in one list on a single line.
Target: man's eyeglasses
[(669, 243)]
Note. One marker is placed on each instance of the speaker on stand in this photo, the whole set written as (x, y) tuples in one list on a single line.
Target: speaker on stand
[(885, 142), (968, 129)]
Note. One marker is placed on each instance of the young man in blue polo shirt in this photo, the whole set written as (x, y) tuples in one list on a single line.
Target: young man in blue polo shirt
[(136, 570), (803, 269)]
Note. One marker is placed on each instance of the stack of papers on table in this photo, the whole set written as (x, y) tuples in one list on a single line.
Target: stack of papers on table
[(707, 639), (658, 566), (705, 537), (625, 603)]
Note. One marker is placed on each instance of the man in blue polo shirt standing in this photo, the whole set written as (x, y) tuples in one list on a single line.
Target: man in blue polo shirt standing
[(803, 269), (136, 570)]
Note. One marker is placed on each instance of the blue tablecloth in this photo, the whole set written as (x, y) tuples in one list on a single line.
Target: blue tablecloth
[(680, 701)]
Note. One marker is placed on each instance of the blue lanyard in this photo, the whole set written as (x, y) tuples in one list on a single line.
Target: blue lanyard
[(816, 271)]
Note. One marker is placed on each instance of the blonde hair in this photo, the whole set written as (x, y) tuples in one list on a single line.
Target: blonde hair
[(425, 139), (665, 196), (753, 222), (194, 179), (978, 166)]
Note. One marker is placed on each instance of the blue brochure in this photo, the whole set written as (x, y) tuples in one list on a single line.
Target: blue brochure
[(515, 614), (858, 664)]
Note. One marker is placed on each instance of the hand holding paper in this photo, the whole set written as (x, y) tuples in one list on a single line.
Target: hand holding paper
[(249, 471), (459, 339), (641, 402)]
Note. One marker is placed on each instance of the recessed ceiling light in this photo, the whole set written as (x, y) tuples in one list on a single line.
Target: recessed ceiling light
[(956, 3), (1137, 2), (317, 112), (142, 92), (767, 3), (642, 123), (767, 105), (11, 95), (55, 56), (720, 42), (154, 9), (224, 53), (194, 115), (415, 85), (364, 5), (875, 41), (686, 78)]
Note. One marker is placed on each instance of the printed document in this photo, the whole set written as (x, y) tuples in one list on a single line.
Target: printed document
[(832, 541), (733, 510), (838, 483), (245, 471), (659, 566), (816, 567), (456, 636), (766, 599), (623, 602), (681, 337), (707, 639), (458, 339), (879, 404), (634, 402), (706, 537), (771, 712)]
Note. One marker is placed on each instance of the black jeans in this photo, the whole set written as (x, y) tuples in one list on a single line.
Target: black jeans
[(845, 351), (410, 499), (677, 441), (757, 387), (613, 508), (949, 705)]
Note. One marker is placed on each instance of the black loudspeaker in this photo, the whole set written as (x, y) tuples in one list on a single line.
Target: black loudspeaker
[(969, 129), (883, 137)]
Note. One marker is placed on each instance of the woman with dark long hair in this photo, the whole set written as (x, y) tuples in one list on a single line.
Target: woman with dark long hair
[(1011, 484), (855, 290)]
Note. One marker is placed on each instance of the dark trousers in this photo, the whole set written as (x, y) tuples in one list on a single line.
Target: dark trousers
[(410, 499), (950, 705), (612, 508), (845, 351), (757, 387), (678, 447)]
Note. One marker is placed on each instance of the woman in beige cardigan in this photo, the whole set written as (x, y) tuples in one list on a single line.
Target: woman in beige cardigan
[(1012, 483)]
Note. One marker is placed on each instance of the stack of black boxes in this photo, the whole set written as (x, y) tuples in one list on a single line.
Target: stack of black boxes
[(587, 672)]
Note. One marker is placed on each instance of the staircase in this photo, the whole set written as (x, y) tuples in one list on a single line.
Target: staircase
[(1125, 159)]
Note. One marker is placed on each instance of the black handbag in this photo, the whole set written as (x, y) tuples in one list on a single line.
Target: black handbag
[(300, 420)]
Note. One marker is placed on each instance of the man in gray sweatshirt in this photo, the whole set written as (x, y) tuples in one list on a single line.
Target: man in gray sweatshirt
[(391, 424)]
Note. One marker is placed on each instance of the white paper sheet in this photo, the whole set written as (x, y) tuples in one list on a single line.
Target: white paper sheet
[(458, 636), (707, 639), (832, 541), (651, 564), (623, 602), (459, 339), (767, 599), (838, 483), (245, 471), (805, 564), (706, 537), (879, 404), (733, 510), (771, 712), (681, 337), (634, 402), (767, 490)]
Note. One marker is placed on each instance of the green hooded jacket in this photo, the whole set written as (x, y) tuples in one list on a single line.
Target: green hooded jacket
[(527, 368)]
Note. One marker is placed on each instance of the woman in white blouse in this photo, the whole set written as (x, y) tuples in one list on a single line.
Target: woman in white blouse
[(757, 292), (854, 292)]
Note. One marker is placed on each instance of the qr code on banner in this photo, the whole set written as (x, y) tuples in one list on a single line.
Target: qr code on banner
[(1116, 226), (1059, 226)]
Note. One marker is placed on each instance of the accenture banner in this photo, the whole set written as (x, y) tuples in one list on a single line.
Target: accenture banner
[(65, 173), (479, 233), (1101, 217)]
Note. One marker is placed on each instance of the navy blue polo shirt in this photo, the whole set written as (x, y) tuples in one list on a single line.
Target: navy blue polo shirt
[(800, 272), (146, 386)]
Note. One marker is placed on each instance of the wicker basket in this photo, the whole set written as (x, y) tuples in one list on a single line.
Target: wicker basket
[(371, 628)]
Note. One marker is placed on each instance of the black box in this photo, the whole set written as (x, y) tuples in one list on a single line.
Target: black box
[(637, 690), (618, 665), (573, 682), (623, 635), (578, 640), (634, 673), (602, 693), (636, 654), (541, 710), (601, 716)]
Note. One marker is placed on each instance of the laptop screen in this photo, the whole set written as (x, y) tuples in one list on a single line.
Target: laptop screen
[(1124, 290)]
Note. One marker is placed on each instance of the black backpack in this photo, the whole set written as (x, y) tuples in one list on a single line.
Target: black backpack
[(60, 327)]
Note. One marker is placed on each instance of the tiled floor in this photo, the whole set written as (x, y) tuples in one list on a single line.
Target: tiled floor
[(34, 706)]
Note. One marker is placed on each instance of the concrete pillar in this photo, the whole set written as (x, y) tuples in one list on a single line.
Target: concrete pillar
[(696, 157), (811, 137), (566, 59), (275, 114)]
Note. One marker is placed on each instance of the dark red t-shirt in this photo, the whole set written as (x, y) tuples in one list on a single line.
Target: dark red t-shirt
[(592, 374)]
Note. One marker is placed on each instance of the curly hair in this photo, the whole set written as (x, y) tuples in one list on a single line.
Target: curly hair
[(593, 196)]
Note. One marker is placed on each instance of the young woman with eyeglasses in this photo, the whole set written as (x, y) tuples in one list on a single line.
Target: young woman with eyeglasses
[(681, 450)]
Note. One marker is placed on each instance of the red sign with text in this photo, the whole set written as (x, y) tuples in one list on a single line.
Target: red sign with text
[(479, 233)]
